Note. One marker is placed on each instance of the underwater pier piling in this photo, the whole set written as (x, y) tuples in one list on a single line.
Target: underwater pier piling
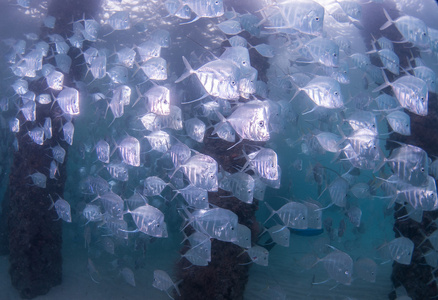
[(416, 276), (225, 277), (35, 238)]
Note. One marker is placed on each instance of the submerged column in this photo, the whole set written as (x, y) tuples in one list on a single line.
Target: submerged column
[(225, 276), (35, 238)]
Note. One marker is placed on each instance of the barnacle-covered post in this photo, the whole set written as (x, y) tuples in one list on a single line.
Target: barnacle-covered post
[(416, 276), (226, 275), (35, 239)]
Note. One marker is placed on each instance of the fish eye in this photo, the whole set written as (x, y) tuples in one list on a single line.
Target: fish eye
[(233, 83), (317, 19), (336, 93), (261, 123), (334, 54), (422, 169)]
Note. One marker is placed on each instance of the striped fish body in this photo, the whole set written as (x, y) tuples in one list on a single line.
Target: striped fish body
[(220, 78), (206, 8), (150, 220), (325, 92)]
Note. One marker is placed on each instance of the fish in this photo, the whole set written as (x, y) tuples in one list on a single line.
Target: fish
[(306, 17), (230, 27), (68, 130), (154, 186), (129, 149), (201, 170), (161, 37), (412, 29), (62, 208), (258, 255), (399, 249), (242, 237), (400, 122), (103, 151), (366, 269), (128, 276), (159, 141), (205, 9), (339, 266), (292, 214), (324, 92), (155, 68), (58, 154), (250, 121), (324, 51), (149, 220), (194, 196), (158, 100), (126, 57), (280, 235), (38, 179), (241, 186), (217, 223), (163, 282), (174, 8), (120, 20), (37, 135), (354, 214), (195, 129), (219, 78), (68, 99), (263, 162), (92, 213), (118, 171)]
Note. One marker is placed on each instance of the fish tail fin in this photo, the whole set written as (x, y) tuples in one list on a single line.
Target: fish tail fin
[(176, 194), (53, 203), (187, 73), (271, 210), (296, 93), (384, 85), (218, 125), (388, 22), (176, 286), (139, 95)]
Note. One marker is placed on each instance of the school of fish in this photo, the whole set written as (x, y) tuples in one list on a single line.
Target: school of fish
[(139, 119)]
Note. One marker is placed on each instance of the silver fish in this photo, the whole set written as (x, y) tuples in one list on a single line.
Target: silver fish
[(412, 29), (250, 121), (129, 149), (68, 100), (38, 179), (324, 91), (62, 208), (220, 78), (155, 68), (149, 220), (103, 151), (258, 255), (292, 214), (159, 141), (195, 129), (201, 170), (366, 269), (400, 122), (243, 236), (163, 282)]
